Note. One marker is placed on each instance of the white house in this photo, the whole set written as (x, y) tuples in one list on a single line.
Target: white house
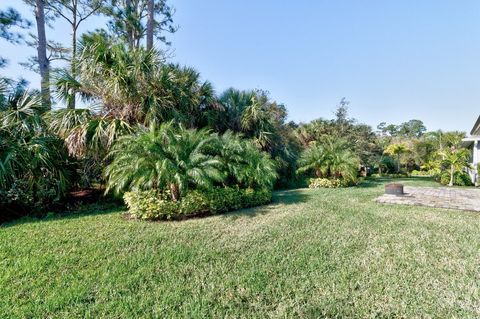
[(473, 142)]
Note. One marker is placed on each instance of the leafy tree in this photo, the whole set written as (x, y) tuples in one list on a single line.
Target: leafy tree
[(360, 137), (412, 128), (409, 129), (133, 20), (74, 12)]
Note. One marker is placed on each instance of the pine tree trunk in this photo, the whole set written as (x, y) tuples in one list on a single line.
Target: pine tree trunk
[(73, 61), (43, 62), (150, 23), (129, 28)]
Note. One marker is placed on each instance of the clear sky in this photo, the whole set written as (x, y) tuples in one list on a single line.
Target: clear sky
[(393, 60)]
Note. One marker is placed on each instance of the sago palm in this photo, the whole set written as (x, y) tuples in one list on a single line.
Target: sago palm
[(330, 159), (169, 157), (245, 164)]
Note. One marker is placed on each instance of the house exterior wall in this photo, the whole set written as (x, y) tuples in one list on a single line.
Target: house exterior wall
[(475, 160)]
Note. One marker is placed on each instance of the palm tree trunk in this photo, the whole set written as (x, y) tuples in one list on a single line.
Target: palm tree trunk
[(175, 192), (452, 173), (398, 163), (43, 62), (150, 23)]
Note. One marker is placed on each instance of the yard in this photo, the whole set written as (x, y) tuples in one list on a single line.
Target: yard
[(312, 253)]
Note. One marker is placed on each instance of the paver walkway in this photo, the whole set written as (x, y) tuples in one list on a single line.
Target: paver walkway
[(441, 197)]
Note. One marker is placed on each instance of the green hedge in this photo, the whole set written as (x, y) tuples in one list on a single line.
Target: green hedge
[(422, 173), (152, 205), (329, 183)]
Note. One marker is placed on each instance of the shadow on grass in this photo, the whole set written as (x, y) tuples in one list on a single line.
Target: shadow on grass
[(283, 197), (373, 182), (101, 208)]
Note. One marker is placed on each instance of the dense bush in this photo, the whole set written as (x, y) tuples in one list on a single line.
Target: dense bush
[(180, 160), (422, 173), (35, 169), (329, 183), (324, 183), (155, 205), (167, 157), (459, 179)]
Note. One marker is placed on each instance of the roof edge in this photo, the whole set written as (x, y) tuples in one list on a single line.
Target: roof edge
[(476, 127)]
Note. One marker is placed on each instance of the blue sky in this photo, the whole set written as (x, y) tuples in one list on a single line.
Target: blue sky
[(393, 60)]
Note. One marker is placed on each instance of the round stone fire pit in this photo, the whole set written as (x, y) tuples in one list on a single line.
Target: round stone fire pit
[(394, 189)]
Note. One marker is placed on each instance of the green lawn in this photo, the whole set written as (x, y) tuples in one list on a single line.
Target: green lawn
[(312, 253)]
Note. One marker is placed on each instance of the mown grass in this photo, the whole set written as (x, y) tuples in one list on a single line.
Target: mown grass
[(312, 253)]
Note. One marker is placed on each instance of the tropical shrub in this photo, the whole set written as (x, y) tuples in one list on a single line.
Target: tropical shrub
[(331, 159), (170, 157), (245, 165), (397, 150), (460, 178), (150, 205), (456, 159), (153, 204), (35, 169)]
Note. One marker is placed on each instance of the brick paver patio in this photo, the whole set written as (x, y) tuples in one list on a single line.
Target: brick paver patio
[(442, 197)]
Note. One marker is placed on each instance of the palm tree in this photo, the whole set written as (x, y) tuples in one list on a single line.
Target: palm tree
[(169, 157), (397, 149), (252, 114), (245, 164), (457, 159), (136, 86), (330, 159), (34, 164)]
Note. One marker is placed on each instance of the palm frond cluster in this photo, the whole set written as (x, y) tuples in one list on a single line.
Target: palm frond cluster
[(35, 169), (176, 159)]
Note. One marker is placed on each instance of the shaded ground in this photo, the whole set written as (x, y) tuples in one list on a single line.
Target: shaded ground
[(441, 197), (312, 253)]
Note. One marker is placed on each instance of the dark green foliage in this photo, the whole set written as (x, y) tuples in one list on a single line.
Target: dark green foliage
[(170, 157), (361, 139), (154, 205), (460, 178), (410, 129), (130, 25), (35, 169), (244, 164)]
